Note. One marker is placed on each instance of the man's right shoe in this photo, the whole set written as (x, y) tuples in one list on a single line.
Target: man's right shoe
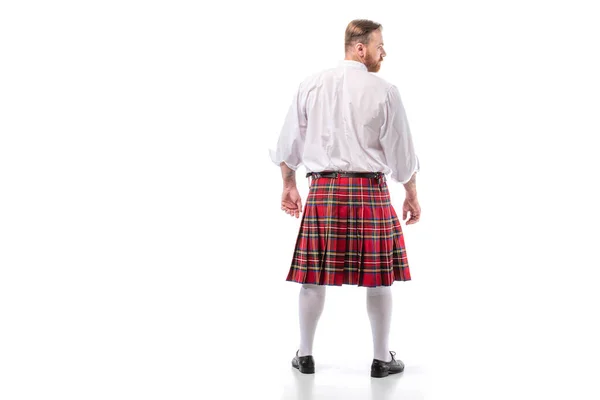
[(380, 369), (305, 364)]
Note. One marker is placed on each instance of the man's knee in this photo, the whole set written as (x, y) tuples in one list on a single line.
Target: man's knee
[(314, 290), (379, 291)]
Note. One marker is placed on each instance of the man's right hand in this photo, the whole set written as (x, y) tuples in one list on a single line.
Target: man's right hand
[(411, 205)]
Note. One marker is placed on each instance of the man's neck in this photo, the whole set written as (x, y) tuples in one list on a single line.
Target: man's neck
[(352, 57)]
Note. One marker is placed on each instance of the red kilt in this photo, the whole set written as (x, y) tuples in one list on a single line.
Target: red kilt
[(349, 234)]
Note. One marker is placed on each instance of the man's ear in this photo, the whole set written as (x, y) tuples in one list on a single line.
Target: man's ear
[(360, 49)]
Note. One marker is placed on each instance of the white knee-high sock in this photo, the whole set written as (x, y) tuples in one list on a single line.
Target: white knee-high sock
[(379, 308), (311, 304)]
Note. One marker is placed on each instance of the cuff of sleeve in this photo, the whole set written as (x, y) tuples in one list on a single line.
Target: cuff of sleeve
[(278, 160), (405, 178)]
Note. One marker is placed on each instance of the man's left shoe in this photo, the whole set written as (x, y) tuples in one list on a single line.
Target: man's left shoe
[(305, 364)]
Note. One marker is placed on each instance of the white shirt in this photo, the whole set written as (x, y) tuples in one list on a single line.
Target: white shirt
[(347, 119)]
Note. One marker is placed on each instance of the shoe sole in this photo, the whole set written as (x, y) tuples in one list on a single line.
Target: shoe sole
[(375, 374), (305, 370)]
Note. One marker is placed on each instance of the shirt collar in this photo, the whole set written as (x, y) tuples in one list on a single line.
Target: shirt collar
[(353, 64)]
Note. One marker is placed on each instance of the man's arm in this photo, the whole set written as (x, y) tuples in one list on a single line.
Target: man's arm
[(291, 203), (411, 187), (396, 140), (400, 154), (290, 145), (411, 204), (288, 175)]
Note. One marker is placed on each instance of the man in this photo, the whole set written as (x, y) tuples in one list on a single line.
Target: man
[(348, 128)]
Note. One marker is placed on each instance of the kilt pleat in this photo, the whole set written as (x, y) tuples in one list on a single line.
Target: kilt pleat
[(349, 234)]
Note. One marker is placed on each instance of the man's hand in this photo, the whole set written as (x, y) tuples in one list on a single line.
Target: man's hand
[(411, 205), (291, 202)]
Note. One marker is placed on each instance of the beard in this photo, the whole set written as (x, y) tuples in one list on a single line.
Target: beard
[(372, 64)]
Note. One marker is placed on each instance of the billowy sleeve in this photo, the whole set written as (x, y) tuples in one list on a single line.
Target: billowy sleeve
[(290, 145), (396, 139)]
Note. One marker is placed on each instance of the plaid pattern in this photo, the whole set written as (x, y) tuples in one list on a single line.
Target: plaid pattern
[(349, 234)]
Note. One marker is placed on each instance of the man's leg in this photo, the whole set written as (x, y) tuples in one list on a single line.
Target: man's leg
[(311, 304), (379, 308)]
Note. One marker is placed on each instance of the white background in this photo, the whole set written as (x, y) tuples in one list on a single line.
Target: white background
[(143, 253)]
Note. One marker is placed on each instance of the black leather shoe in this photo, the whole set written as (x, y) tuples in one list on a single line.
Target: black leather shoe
[(379, 368), (305, 364)]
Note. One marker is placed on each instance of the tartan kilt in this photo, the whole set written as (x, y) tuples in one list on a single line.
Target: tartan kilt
[(349, 234)]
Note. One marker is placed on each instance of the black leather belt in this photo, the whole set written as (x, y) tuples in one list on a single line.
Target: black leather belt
[(335, 174)]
